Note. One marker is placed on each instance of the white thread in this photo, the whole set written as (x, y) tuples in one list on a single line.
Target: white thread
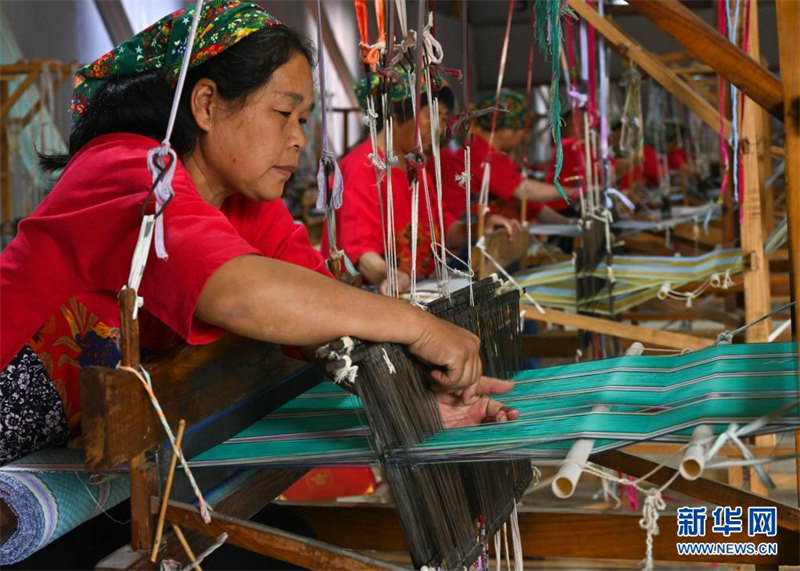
[(516, 540), (779, 330), (498, 552), (156, 157), (389, 364), (481, 245), (505, 545), (216, 545), (432, 49)]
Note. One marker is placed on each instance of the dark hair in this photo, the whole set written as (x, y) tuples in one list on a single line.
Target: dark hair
[(141, 103), (404, 110)]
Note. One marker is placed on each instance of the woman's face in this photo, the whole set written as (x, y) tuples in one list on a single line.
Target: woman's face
[(405, 134), (252, 149)]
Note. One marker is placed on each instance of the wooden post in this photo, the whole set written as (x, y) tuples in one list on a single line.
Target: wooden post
[(755, 270), (788, 15), (710, 46), (5, 165), (142, 472)]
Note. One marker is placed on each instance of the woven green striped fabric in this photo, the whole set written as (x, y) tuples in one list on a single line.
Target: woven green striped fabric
[(660, 397), (638, 278)]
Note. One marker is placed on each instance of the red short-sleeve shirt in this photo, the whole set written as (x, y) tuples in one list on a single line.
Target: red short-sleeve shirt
[(504, 179), (358, 222), (79, 242)]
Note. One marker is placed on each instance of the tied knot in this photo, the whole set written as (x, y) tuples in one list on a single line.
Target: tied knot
[(328, 166), (371, 53), (415, 164), (431, 47), (463, 179), (161, 162)]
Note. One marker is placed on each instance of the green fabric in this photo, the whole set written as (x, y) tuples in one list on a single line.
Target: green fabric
[(514, 110), (399, 86), (162, 45), (660, 397)]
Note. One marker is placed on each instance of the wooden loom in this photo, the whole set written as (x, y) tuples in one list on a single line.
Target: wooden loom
[(232, 369)]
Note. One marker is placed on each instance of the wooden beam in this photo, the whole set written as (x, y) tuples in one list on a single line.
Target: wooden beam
[(701, 489), (650, 64), (544, 533), (756, 81), (550, 344), (788, 16), (276, 543), (9, 102), (192, 382), (62, 75), (647, 336)]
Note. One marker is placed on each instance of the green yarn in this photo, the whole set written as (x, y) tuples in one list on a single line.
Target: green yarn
[(548, 36)]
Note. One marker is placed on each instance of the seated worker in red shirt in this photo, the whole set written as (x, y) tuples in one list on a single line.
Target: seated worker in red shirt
[(230, 258), (507, 184), (359, 229), (677, 160)]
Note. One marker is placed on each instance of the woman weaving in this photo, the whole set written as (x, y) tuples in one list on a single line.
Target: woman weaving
[(236, 260)]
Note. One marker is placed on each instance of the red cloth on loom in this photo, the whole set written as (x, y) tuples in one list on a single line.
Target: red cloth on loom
[(358, 221), (504, 179), (60, 276)]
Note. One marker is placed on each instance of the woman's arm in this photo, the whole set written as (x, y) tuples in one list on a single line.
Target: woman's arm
[(536, 191), (373, 267), (549, 216), (276, 301)]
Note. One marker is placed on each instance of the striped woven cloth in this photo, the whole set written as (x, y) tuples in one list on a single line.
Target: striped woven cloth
[(650, 397)]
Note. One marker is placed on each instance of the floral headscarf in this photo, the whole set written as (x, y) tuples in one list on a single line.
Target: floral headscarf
[(162, 45), (399, 82), (514, 116)]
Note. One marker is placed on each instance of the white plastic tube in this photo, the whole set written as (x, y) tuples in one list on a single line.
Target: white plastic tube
[(569, 472), (694, 459)]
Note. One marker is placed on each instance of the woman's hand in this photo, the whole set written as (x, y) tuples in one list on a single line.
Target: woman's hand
[(453, 349), (512, 226), (476, 406), (403, 283)]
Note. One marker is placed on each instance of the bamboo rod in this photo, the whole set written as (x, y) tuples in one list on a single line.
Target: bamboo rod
[(185, 544), (167, 490)]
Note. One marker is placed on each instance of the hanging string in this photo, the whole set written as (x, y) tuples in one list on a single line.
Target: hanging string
[(144, 378), (161, 160), (548, 36), (526, 149), (483, 198), (733, 29), (329, 201)]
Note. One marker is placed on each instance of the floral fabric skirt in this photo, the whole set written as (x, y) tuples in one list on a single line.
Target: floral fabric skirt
[(32, 415)]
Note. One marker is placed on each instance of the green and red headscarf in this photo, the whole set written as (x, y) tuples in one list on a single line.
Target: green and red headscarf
[(515, 110), (162, 46), (397, 82)]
